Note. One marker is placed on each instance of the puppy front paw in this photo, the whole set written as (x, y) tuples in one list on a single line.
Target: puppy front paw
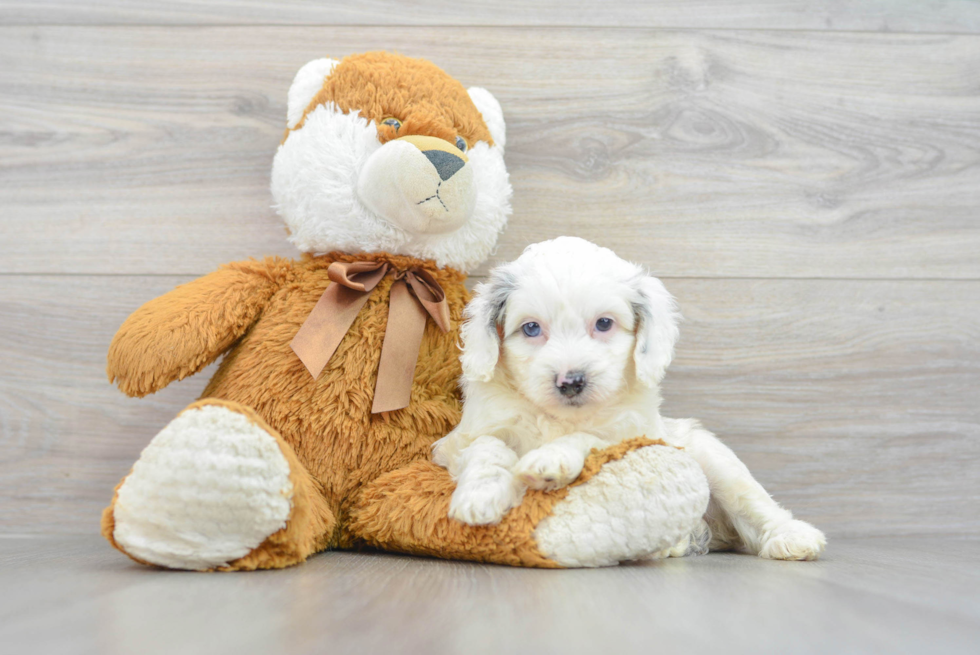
[(794, 540), (485, 501), (549, 467)]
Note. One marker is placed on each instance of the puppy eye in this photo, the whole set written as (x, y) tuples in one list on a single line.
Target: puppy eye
[(531, 329), (461, 144), (392, 122), (604, 324)]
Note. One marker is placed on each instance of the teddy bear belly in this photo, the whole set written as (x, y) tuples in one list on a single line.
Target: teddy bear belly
[(328, 420)]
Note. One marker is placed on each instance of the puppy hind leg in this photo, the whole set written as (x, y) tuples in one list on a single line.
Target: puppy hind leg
[(694, 544), (700, 540), (763, 527), (723, 534)]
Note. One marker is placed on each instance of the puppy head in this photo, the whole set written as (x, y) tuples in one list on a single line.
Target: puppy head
[(388, 153), (570, 325)]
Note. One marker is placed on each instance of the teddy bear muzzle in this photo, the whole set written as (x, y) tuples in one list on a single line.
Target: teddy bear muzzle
[(422, 184)]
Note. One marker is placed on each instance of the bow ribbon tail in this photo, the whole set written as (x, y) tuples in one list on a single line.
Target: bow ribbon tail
[(400, 350), (414, 294), (412, 297), (325, 327)]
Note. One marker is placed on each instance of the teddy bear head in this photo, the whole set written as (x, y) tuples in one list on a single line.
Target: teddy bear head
[(385, 153)]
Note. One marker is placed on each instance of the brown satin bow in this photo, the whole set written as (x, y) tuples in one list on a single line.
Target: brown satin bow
[(413, 294)]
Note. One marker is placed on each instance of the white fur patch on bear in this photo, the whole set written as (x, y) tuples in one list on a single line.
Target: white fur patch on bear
[(492, 114), (208, 489), (307, 83), (650, 500)]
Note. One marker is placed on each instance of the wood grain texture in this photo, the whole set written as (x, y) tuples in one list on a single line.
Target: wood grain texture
[(812, 197), (852, 401), (868, 15), (708, 154), (869, 596)]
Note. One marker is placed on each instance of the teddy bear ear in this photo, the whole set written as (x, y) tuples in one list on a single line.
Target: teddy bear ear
[(306, 84), (492, 114)]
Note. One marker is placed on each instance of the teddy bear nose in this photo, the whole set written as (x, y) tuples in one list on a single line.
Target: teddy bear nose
[(446, 163), (571, 384)]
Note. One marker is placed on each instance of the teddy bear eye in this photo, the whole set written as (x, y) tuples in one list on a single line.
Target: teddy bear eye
[(604, 324), (392, 122), (461, 143), (531, 329)]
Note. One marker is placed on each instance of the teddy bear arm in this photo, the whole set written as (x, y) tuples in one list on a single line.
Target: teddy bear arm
[(179, 333)]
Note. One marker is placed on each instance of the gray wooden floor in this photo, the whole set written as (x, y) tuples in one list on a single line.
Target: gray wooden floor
[(70, 594), (804, 175)]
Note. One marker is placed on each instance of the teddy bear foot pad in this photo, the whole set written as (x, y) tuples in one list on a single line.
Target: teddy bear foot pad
[(647, 504), (207, 490)]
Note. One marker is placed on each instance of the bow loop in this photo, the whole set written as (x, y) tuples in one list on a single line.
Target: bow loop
[(414, 293), (359, 276), (427, 291)]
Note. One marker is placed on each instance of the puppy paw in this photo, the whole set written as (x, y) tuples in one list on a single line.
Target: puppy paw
[(549, 467), (794, 540), (485, 501), (696, 543)]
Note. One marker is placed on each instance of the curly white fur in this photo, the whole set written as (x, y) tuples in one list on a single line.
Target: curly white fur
[(605, 324), (207, 453)]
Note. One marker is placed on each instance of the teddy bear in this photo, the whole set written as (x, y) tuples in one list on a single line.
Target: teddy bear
[(340, 369)]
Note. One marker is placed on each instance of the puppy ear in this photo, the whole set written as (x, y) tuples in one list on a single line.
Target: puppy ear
[(306, 84), (492, 114), (484, 320), (656, 330)]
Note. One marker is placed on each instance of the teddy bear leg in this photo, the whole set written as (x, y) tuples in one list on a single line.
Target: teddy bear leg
[(633, 500), (648, 503), (218, 489)]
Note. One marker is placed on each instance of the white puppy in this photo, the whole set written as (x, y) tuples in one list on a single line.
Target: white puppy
[(563, 351)]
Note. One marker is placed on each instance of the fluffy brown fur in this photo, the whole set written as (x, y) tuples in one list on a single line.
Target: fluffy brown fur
[(179, 333), (358, 478), (417, 92), (325, 424), (408, 511)]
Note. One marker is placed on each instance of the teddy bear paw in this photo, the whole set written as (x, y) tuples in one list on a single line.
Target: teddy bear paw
[(207, 490)]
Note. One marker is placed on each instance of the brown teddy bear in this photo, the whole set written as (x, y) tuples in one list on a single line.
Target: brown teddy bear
[(341, 368)]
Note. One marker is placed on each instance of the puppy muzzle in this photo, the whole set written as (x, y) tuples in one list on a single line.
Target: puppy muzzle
[(422, 184)]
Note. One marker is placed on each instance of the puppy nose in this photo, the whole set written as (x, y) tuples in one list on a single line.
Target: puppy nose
[(446, 163), (570, 384)]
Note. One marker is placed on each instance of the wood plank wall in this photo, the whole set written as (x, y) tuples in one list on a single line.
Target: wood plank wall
[(805, 176)]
